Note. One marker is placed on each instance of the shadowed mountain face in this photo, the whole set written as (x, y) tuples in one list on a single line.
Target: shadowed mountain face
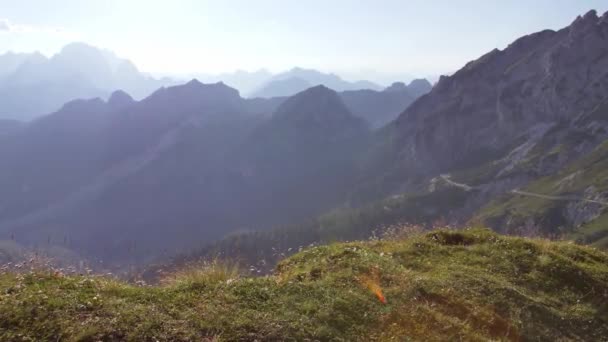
[(187, 164), (309, 147), (298, 79), (381, 107), (77, 71), (416, 88), (8, 127)]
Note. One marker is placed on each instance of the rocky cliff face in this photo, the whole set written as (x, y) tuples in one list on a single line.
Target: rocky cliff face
[(485, 108)]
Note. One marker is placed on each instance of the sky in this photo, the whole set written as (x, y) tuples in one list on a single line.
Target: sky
[(357, 37)]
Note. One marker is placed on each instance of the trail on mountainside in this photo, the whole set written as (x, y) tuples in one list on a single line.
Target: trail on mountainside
[(466, 187), (447, 179), (557, 198)]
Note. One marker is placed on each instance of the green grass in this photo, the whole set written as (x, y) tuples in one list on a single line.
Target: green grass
[(590, 171), (444, 285), (594, 232)]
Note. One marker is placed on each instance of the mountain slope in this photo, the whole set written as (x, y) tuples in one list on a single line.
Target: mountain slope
[(186, 165), (381, 107), (502, 121), (63, 161), (443, 285), (573, 200), (303, 155), (539, 79)]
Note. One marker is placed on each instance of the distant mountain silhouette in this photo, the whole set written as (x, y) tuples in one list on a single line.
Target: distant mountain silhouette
[(377, 107), (9, 62), (77, 71), (381, 107), (282, 87), (298, 79), (419, 87), (246, 82)]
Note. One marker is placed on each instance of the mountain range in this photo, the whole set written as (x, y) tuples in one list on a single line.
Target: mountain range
[(297, 79), (95, 170), (262, 83), (246, 82), (516, 140), (77, 71), (81, 71)]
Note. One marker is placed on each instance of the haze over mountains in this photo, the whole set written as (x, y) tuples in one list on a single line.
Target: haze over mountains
[(297, 79), (77, 71), (246, 82), (81, 71), (515, 139), (263, 83)]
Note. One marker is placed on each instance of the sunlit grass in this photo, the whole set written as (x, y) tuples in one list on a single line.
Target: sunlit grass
[(442, 285), (203, 273)]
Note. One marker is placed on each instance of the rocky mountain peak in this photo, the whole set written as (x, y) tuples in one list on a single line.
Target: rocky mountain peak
[(318, 101), (120, 99), (584, 25), (195, 83), (201, 92), (318, 108), (396, 86), (419, 87)]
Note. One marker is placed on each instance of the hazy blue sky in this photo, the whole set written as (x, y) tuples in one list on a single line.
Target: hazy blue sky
[(419, 37)]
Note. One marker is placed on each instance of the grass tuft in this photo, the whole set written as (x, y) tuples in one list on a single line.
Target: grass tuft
[(203, 274)]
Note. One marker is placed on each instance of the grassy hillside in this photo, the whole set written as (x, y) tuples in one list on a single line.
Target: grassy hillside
[(576, 208), (470, 285)]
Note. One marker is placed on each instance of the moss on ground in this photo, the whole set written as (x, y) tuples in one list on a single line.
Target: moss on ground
[(443, 285)]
